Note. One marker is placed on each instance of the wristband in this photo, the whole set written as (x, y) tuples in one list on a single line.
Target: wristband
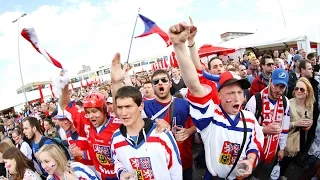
[(192, 45)]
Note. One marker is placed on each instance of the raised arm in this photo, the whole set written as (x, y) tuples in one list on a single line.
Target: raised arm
[(64, 98), (117, 74), (178, 35), (192, 46)]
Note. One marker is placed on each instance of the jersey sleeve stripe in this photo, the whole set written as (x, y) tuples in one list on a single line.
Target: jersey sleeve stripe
[(202, 110), (258, 144), (253, 151), (120, 144), (201, 100), (83, 171), (202, 124), (248, 145), (175, 147)]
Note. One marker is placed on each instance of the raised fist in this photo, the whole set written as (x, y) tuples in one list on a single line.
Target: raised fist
[(178, 33)]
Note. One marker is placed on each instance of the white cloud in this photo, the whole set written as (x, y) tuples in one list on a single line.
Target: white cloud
[(224, 3), (80, 32)]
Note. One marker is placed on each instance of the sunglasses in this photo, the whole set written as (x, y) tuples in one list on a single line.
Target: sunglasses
[(156, 81), (270, 64), (299, 89)]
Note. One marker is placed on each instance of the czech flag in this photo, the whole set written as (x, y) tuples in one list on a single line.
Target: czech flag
[(151, 28)]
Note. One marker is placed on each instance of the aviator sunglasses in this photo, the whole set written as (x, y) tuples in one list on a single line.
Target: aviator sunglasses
[(156, 81), (299, 89)]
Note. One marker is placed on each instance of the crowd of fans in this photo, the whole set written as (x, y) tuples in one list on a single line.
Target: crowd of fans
[(252, 116)]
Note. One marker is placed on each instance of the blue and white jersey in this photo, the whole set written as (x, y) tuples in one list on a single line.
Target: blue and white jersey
[(222, 134), (81, 171)]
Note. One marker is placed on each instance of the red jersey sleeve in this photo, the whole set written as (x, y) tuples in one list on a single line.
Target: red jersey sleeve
[(77, 117)]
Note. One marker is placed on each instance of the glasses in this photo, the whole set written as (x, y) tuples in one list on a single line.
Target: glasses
[(270, 64), (156, 81), (299, 89)]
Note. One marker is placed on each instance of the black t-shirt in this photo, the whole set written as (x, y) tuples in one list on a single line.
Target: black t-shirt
[(3, 171)]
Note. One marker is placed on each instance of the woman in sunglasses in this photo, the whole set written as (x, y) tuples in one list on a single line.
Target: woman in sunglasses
[(301, 112)]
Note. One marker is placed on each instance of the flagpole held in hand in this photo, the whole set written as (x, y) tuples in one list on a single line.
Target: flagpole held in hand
[(134, 28)]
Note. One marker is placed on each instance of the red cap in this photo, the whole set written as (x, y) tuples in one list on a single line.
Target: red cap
[(228, 78)]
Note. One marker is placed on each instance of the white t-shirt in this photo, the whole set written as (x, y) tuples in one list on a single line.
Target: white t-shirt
[(26, 150), (31, 175)]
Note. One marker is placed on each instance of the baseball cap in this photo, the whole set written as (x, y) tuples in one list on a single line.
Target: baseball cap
[(280, 76), (297, 57), (228, 78), (60, 115)]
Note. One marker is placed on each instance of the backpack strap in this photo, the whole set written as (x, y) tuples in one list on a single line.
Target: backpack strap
[(171, 112), (284, 99), (258, 107), (242, 144), (42, 140)]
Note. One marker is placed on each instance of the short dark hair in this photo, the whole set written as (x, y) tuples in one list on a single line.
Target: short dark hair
[(33, 122), (129, 92), (311, 55), (159, 71), (209, 62), (303, 64), (263, 59)]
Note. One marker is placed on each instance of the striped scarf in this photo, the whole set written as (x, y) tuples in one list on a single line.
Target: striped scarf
[(276, 115)]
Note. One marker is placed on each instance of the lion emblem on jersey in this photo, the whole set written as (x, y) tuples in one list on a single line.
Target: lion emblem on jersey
[(229, 153), (103, 154)]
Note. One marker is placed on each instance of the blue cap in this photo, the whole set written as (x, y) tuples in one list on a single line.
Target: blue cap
[(280, 76), (297, 57)]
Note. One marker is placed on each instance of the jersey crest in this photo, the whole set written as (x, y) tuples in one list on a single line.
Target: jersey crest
[(229, 153), (143, 168), (103, 154)]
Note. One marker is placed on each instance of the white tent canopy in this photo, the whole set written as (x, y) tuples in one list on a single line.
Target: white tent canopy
[(276, 37), (19, 99)]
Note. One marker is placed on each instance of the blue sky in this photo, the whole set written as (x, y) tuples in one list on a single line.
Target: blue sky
[(87, 32)]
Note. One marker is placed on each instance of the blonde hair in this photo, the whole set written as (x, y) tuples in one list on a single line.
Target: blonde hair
[(310, 97), (56, 153)]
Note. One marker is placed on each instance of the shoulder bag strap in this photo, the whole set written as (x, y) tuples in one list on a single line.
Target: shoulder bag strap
[(161, 111), (242, 145), (171, 112)]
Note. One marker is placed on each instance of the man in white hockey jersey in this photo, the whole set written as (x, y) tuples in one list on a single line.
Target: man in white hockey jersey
[(137, 149), (224, 129)]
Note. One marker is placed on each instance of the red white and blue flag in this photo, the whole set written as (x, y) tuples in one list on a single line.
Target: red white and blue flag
[(151, 28)]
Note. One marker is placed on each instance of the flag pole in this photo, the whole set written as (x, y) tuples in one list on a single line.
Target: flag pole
[(134, 28)]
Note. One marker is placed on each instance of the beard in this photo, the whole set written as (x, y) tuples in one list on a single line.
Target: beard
[(32, 137)]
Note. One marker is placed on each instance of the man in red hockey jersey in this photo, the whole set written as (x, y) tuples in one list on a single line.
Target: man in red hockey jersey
[(99, 131)]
